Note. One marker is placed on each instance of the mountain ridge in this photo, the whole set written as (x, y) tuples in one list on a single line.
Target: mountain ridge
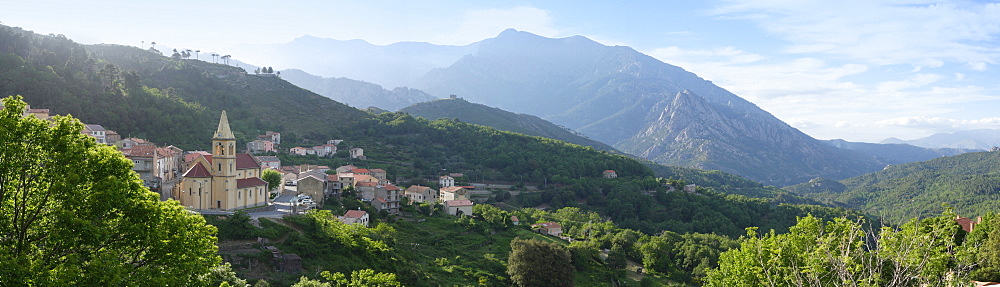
[(499, 119)]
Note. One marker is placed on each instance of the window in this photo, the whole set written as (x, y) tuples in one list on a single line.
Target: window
[(239, 194)]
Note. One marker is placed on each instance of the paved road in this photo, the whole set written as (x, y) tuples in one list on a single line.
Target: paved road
[(283, 205)]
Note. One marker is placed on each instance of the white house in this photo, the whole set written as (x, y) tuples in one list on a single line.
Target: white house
[(458, 207), (355, 217)]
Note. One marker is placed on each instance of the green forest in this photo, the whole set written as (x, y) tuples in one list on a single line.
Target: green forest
[(969, 183)]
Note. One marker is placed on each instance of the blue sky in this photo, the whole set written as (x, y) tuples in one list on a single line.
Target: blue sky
[(857, 70)]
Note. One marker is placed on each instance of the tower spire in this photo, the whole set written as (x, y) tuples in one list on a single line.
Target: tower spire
[(223, 132)]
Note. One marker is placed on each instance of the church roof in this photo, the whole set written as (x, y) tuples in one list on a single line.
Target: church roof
[(197, 170), (223, 132), (250, 182), (245, 161)]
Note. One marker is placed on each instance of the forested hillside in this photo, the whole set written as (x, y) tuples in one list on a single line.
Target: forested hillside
[(970, 183)]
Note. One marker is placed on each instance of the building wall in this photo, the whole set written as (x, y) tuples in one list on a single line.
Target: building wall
[(313, 187)]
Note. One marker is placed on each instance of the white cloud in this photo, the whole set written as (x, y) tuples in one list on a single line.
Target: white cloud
[(816, 96), (916, 32)]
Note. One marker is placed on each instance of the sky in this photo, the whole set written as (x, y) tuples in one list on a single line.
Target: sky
[(854, 70)]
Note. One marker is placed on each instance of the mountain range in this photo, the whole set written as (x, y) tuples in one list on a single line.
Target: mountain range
[(982, 139), (356, 93), (611, 94), (499, 119)]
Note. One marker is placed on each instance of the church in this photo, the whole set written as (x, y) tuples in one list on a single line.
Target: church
[(224, 180)]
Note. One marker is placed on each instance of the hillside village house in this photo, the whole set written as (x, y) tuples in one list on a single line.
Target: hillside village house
[(417, 193), (270, 161), (169, 163), (314, 185), (365, 190), (345, 168), (223, 180), (297, 150), (143, 159), (609, 174), (355, 217), (453, 193), (968, 224), (550, 228), (446, 181), (96, 131), (357, 153), (387, 198), (458, 207)]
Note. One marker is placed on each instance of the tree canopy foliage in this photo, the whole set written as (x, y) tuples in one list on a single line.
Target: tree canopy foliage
[(929, 252), (72, 212), (537, 263)]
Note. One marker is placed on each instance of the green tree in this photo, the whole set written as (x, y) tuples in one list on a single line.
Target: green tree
[(272, 177), (534, 262), (359, 278), (72, 212)]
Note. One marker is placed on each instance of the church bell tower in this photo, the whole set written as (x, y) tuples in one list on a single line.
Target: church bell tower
[(224, 165)]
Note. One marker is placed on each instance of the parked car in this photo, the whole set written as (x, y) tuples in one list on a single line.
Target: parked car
[(290, 183)]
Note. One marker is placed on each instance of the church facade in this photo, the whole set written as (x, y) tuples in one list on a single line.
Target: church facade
[(224, 180)]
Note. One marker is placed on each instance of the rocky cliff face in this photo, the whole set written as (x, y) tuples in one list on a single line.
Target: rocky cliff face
[(640, 106)]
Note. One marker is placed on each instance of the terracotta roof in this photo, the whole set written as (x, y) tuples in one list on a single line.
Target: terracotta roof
[(382, 200), (165, 152), (452, 188), (197, 170), (362, 177), (462, 202), (360, 170), (245, 160), (367, 184), (377, 170), (391, 187), (445, 176), (139, 151), (417, 188), (355, 213), (250, 182), (609, 171), (966, 223), (332, 177), (514, 218), (138, 140), (191, 156)]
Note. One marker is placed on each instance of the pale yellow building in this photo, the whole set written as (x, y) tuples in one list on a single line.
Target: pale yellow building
[(224, 180)]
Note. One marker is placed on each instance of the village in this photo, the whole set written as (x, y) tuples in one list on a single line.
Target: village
[(224, 181)]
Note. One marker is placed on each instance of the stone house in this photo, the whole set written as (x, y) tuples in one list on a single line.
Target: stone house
[(417, 193)]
